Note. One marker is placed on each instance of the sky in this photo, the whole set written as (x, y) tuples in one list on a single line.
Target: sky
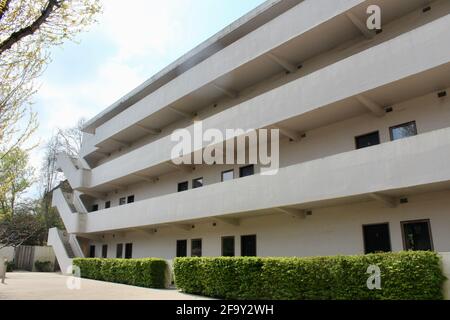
[(131, 41)]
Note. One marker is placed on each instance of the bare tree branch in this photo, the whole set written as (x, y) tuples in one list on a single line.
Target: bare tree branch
[(29, 30), (4, 6)]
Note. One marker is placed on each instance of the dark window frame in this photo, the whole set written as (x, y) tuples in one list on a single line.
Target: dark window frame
[(104, 251), (227, 171), (367, 134), (201, 247), (195, 180), (128, 255), (107, 204), (186, 183), (376, 224), (402, 230), (391, 129), (95, 208), (178, 255), (131, 199), (256, 244), (119, 254), (234, 245), (122, 201), (90, 251), (245, 167)]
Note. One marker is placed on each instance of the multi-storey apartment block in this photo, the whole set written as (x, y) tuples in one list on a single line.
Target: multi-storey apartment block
[(364, 149)]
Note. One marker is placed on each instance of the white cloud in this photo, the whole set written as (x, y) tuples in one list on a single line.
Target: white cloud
[(139, 35), (149, 26)]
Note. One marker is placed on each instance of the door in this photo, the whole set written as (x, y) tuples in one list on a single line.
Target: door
[(377, 238), (92, 252), (181, 248), (248, 246)]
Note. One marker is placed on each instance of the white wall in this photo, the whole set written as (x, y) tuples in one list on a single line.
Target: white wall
[(44, 254), (299, 96), (298, 20), (7, 253), (429, 112), (329, 231)]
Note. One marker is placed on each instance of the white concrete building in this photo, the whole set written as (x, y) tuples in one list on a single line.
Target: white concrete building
[(364, 119)]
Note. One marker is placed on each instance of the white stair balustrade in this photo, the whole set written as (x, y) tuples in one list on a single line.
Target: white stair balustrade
[(76, 175), (63, 252)]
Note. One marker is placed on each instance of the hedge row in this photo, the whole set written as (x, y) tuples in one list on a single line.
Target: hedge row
[(148, 273), (404, 275)]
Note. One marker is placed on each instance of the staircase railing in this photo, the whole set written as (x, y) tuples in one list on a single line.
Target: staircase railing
[(56, 240)]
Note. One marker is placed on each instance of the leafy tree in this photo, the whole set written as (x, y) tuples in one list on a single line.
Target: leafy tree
[(16, 176), (28, 29), (64, 140), (21, 229)]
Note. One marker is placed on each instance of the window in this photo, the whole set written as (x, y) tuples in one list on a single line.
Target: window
[(197, 183), (130, 199), (119, 250), (105, 251), (95, 207), (247, 171), (417, 235), (376, 238), (92, 252), (227, 175), (122, 201), (107, 204), (367, 140), (228, 246), (196, 247), (128, 251), (183, 186), (248, 246), (181, 248), (403, 131)]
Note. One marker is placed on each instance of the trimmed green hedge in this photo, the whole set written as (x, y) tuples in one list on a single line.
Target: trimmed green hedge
[(43, 266), (148, 273), (404, 276)]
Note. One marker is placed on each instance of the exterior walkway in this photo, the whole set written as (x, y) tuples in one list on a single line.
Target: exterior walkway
[(52, 286)]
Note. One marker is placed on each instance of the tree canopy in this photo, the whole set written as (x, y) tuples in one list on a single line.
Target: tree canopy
[(28, 30)]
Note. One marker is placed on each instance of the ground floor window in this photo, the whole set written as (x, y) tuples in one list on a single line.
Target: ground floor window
[(128, 251), (92, 252), (417, 235), (228, 246), (105, 251), (248, 246), (377, 238), (119, 250), (196, 247), (181, 248)]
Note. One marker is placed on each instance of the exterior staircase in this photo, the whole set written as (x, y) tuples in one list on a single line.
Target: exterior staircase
[(69, 250), (65, 244)]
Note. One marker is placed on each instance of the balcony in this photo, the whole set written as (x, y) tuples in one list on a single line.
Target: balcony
[(384, 73), (384, 172), (217, 70)]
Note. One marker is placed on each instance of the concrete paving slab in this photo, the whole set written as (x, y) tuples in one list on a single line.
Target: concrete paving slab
[(53, 286)]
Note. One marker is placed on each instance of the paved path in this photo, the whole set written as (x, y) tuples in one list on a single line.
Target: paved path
[(52, 286)]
